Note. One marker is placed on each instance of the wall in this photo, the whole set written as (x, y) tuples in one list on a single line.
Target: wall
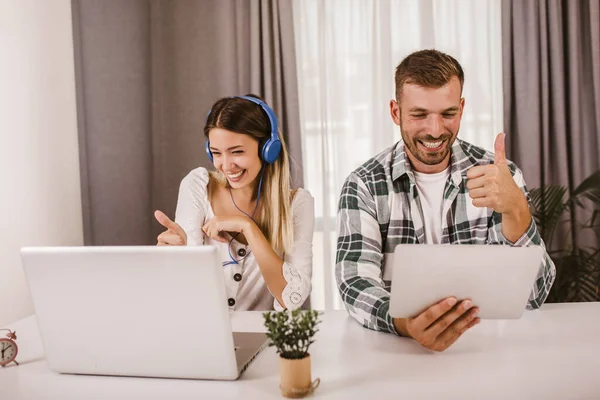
[(40, 199)]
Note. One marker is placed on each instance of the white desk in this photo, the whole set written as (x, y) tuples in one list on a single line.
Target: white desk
[(553, 353)]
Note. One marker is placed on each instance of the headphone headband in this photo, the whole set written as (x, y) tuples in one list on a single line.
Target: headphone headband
[(270, 113)]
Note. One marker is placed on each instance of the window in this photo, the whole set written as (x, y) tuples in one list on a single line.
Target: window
[(347, 52)]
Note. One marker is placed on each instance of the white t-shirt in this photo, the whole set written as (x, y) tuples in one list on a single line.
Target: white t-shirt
[(431, 193), (245, 285)]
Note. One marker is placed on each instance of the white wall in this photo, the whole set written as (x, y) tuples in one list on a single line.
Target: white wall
[(40, 200)]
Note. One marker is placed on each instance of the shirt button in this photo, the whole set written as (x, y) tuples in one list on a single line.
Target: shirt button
[(237, 277), (241, 252), (295, 298), (231, 302)]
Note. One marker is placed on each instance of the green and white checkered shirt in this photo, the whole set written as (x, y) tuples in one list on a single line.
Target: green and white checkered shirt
[(379, 208)]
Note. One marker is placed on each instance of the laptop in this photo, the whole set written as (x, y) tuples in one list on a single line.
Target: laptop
[(498, 279), (143, 311)]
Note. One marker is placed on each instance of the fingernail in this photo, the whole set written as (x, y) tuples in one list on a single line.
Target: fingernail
[(467, 305), (451, 301)]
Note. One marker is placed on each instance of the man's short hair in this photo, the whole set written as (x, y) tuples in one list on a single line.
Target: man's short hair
[(427, 68)]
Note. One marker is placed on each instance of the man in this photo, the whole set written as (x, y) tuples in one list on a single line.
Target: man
[(429, 188)]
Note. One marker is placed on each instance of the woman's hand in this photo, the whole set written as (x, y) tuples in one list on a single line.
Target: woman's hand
[(217, 227), (174, 235)]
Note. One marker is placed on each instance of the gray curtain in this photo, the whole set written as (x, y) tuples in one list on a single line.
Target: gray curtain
[(147, 72), (551, 68)]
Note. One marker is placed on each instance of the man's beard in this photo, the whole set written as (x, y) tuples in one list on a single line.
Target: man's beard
[(424, 156)]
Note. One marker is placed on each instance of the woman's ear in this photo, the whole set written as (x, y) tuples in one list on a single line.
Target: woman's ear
[(261, 145)]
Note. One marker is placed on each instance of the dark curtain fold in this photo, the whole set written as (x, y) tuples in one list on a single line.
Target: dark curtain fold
[(551, 68), (147, 72), (551, 53), (551, 74)]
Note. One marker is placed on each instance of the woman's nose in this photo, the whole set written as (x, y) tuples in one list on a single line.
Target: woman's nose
[(228, 161)]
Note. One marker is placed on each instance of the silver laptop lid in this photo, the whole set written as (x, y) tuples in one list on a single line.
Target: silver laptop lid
[(134, 311)]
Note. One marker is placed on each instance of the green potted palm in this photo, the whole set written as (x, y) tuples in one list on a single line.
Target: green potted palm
[(578, 213), (292, 333)]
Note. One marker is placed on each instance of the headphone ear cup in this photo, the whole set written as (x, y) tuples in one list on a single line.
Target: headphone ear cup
[(208, 152), (271, 150)]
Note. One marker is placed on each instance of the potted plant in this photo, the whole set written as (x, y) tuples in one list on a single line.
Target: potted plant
[(292, 333), (577, 265)]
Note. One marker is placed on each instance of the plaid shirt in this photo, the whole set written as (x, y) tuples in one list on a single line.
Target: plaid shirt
[(379, 208)]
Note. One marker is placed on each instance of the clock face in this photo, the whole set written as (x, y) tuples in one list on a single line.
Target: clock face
[(8, 351)]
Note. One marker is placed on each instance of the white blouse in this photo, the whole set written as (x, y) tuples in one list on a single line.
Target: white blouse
[(245, 286)]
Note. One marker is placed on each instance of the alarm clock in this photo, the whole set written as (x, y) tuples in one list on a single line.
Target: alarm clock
[(8, 348)]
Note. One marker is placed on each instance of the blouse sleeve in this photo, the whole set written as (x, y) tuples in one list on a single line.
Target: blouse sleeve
[(192, 205), (297, 265)]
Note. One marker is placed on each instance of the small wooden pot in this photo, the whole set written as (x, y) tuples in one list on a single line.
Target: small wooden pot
[(296, 379)]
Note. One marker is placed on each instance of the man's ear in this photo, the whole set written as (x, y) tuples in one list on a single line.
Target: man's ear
[(395, 111)]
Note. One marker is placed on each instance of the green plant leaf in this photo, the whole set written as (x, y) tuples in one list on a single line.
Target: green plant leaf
[(577, 277), (588, 280), (594, 217), (291, 332), (577, 268), (589, 188), (548, 203)]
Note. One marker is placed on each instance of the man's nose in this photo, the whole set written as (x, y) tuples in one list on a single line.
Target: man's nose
[(436, 125)]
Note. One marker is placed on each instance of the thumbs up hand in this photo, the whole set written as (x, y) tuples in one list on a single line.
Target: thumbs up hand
[(174, 235), (499, 150), (493, 186)]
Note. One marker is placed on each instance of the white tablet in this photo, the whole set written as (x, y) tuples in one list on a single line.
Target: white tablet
[(498, 279)]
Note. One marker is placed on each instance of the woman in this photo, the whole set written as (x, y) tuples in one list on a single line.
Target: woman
[(247, 208)]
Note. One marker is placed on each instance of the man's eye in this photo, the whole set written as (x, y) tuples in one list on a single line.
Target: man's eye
[(238, 152), (449, 115), (418, 115)]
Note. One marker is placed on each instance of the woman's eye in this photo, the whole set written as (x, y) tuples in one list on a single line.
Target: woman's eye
[(238, 152)]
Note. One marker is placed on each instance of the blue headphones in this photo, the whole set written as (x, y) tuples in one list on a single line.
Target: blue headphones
[(272, 147)]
